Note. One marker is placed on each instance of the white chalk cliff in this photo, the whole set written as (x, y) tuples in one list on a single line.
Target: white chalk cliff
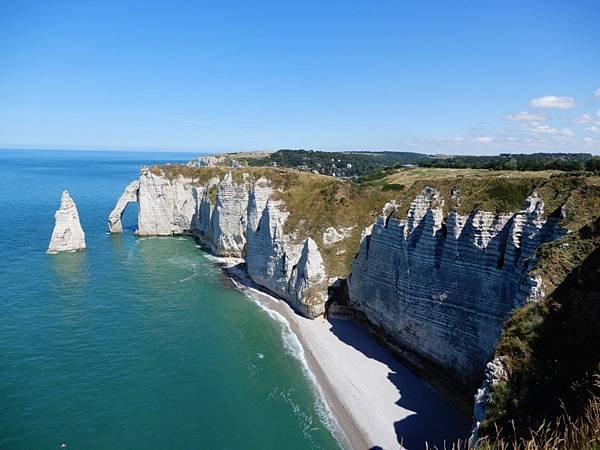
[(68, 236), (293, 271), (166, 207), (232, 219), (439, 285)]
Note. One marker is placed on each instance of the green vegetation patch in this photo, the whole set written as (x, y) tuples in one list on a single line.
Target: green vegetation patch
[(340, 164), (366, 166), (212, 194), (464, 195), (550, 348), (565, 432), (201, 175), (508, 196), (316, 202)]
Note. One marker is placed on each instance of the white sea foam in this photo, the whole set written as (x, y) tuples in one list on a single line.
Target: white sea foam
[(173, 238), (214, 258), (305, 420), (225, 261), (186, 279), (292, 345)]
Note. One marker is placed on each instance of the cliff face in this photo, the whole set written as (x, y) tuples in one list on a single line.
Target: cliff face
[(67, 236), (166, 207), (130, 194), (546, 363), (419, 280), (439, 286), (234, 219), (436, 283), (292, 271), (227, 232)]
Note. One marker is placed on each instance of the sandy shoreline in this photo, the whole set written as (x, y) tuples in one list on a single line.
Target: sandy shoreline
[(375, 401), (344, 420)]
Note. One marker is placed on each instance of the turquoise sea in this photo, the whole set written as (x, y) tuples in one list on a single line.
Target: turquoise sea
[(135, 343)]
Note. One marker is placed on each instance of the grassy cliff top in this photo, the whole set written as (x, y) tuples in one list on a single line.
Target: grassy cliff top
[(465, 190), (316, 202)]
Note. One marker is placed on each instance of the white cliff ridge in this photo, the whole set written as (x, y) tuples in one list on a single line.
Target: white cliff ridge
[(495, 372), (436, 285), (166, 207), (440, 286), (292, 271), (236, 220), (68, 236)]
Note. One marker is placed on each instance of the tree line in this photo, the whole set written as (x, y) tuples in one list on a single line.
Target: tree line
[(368, 164)]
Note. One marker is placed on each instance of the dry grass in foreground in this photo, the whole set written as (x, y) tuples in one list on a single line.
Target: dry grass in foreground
[(564, 433)]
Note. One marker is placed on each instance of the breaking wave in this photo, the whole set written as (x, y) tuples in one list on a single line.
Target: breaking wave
[(293, 347)]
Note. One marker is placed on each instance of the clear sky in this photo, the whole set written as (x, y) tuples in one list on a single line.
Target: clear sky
[(447, 76)]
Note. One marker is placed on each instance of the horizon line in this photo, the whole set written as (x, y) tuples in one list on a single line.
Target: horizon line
[(211, 152)]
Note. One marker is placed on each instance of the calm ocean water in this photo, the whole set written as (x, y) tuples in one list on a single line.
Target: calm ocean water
[(135, 343)]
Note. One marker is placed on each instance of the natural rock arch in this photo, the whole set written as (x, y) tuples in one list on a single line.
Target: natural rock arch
[(130, 194)]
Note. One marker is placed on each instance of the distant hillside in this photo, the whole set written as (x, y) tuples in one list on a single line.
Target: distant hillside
[(372, 165), (338, 164), (507, 161)]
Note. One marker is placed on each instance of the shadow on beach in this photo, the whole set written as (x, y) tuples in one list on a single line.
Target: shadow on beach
[(430, 418), (434, 420)]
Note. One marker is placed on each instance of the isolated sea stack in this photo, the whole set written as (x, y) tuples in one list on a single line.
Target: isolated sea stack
[(68, 236)]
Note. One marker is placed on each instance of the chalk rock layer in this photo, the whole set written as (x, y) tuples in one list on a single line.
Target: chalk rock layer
[(293, 271), (166, 206), (440, 286), (227, 235), (68, 236), (234, 219), (130, 194)]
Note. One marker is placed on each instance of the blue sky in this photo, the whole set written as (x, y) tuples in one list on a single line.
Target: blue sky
[(451, 76)]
